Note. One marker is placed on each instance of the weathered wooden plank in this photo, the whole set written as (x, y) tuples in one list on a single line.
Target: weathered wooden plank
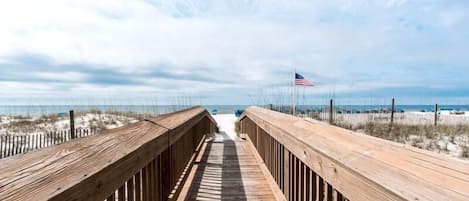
[(90, 168), (138, 186), (130, 189), (145, 184), (112, 197), (277, 193), (227, 169), (121, 194), (355, 163), (286, 188)]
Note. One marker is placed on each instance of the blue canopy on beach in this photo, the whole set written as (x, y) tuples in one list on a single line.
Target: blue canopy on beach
[(238, 113)]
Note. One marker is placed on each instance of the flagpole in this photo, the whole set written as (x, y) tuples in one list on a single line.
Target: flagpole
[(294, 94), (292, 102)]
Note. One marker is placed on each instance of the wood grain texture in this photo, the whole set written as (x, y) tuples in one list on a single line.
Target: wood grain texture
[(226, 169), (92, 168), (277, 192), (362, 167)]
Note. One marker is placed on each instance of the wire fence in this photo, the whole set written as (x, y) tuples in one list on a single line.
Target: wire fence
[(438, 128), (11, 145), (339, 113), (44, 126)]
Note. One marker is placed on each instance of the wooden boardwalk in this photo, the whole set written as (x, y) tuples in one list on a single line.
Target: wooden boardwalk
[(174, 157), (226, 169)]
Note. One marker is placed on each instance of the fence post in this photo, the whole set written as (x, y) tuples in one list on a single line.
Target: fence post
[(392, 112), (271, 107), (1, 146), (436, 114), (331, 110), (72, 125)]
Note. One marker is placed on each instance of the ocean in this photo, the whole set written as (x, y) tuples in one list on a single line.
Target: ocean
[(38, 110)]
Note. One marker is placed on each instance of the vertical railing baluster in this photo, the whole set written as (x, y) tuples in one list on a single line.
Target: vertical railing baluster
[(138, 186)]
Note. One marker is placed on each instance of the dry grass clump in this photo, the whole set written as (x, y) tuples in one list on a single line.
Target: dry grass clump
[(380, 118), (23, 124), (316, 116), (465, 151), (398, 131), (94, 119), (435, 138)]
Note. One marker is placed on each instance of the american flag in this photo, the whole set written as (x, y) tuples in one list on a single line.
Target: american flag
[(300, 80)]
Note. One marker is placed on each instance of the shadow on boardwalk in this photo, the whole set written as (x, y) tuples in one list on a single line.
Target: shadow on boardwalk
[(228, 170), (218, 175)]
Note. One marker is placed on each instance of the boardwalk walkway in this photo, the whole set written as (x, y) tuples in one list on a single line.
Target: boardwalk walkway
[(170, 157), (226, 169)]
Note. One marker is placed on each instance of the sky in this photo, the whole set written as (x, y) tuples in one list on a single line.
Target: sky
[(233, 51)]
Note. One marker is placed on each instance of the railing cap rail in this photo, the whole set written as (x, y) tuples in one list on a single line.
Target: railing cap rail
[(352, 161), (88, 168)]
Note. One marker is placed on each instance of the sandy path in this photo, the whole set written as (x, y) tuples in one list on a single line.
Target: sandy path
[(226, 122)]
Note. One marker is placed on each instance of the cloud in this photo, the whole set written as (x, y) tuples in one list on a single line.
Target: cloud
[(231, 48), (63, 76), (391, 3)]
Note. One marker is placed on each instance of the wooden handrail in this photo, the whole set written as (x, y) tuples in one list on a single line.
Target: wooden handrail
[(141, 161), (311, 160)]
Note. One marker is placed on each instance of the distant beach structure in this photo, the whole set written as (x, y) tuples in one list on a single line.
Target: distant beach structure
[(214, 112), (238, 113)]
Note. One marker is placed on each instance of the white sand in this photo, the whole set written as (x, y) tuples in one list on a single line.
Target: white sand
[(109, 121), (226, 123), (447, 143), (408, 118)]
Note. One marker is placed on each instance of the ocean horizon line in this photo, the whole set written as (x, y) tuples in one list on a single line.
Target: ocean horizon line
[(38, 110)]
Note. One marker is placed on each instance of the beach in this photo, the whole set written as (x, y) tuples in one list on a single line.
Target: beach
[(226, 123), (407, 118), (417, 129)]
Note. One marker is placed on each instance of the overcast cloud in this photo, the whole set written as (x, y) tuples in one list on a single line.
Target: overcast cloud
[(227, 52)]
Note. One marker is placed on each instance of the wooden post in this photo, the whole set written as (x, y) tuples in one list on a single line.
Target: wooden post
[(436, 114), (1, 146), (72, 125), (331, 111), (393, 109)]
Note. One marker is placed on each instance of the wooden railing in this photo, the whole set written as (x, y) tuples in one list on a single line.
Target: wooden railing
[(141, 161), (311, 160)]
